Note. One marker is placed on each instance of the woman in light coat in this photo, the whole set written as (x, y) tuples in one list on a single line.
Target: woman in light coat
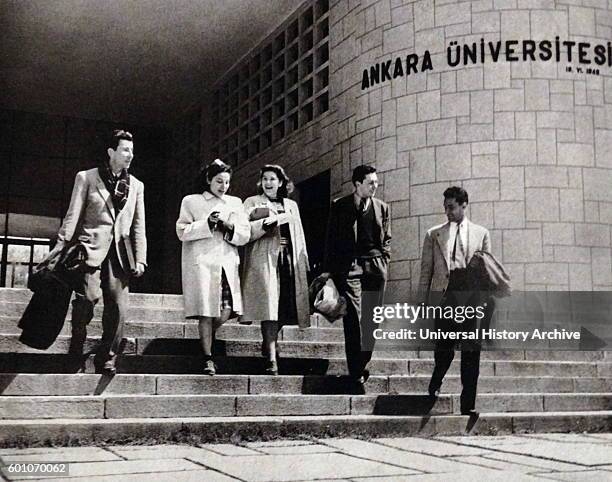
[(211, 225), (275, 267)]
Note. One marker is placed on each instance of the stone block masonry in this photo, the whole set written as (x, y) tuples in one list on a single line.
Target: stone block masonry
[(529, 140)]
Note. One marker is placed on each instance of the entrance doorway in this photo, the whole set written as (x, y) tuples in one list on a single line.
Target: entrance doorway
[(314, 200)]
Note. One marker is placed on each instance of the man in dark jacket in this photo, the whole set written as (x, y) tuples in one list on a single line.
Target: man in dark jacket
[(357, 254)]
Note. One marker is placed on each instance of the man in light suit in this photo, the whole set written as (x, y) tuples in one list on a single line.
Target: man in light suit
[(357, 253), (447, 250), (106, 215)]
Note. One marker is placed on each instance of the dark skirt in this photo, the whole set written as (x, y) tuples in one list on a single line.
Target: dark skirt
[(227, 302), (287, 310)]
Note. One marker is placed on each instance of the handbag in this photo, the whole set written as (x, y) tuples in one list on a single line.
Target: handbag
[(329, 303), (61, 265), (52, 282)]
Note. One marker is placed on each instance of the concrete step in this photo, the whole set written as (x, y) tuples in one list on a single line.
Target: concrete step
[(225, 429), (20, 384), (189, 329), (235, 331), (140, 313), (254, 364), (307, 349), (166, 406), (190, 346), (169, 406), (22, 295), (144, 312), (145, 364)]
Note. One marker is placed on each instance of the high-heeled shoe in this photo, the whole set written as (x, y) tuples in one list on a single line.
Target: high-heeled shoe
[(271, 367), (209, 367)]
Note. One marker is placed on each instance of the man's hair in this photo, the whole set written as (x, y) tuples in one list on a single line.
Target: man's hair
[(211, 170), (360, 173), (457, 193), (118, 135), (285, 188)]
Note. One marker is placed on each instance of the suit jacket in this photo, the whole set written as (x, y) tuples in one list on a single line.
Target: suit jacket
[(435, 262), (340, 246), (488, 275), (92, 220)]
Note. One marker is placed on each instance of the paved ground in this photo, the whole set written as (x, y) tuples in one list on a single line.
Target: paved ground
[(567, 457)]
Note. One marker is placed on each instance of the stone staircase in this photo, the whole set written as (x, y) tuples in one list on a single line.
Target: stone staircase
[(158, 393)]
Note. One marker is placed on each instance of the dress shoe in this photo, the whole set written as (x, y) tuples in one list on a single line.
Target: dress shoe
[(361, 379), (109, 367), (209, 367), (433, 389)]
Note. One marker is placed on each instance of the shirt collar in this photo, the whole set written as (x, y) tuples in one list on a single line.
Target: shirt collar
[(209, 195), (357, 200), (462, 224)]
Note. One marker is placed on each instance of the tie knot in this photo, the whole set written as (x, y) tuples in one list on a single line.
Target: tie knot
[(362, 205)]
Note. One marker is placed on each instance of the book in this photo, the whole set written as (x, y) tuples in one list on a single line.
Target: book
[(260, 212), (129, 251)]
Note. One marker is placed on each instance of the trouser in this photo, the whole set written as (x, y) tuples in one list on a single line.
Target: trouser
[(111, 282), (445, 349), (366, 275)]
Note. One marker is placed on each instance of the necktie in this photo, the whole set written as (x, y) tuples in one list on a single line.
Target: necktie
[(456, 241), (362, 206)]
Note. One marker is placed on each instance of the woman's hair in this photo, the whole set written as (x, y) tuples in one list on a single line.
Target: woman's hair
[(211, 170), (286, 186)]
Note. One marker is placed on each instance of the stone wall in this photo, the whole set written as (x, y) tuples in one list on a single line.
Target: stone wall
[(530, 142)]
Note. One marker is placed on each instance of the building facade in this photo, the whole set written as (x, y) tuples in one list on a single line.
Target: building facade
[(530, 140), (511, 99)]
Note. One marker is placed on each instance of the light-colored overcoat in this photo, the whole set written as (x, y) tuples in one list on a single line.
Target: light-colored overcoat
[(435, 257), (205, 253), (260, 282), (91, 218)]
